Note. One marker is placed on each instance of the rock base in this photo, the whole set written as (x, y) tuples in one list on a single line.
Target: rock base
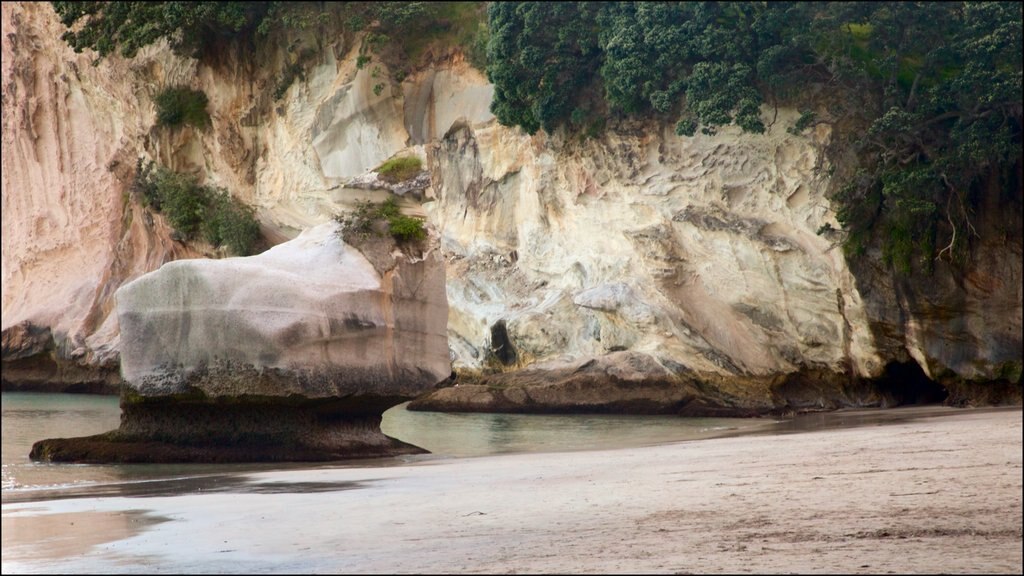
[(169, 432), (43, 373), (634, 383)]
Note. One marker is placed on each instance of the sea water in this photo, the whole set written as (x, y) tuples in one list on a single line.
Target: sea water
[(30, 417)]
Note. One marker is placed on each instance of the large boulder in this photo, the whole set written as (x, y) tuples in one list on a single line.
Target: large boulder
[(292, 354)]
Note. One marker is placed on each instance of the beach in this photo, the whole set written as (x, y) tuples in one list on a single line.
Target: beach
[(921, 495)]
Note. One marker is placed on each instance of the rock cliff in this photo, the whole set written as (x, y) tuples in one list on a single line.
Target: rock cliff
[(698, 256)]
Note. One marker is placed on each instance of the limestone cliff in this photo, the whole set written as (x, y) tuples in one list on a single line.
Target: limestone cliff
[(701, 255)]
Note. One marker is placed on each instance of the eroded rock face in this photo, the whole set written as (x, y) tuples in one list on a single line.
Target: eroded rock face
[(303, 346), (32, 362), (621, 382), (702, 253)]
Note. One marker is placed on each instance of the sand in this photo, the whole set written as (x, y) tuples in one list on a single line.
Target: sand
[(931, 495)]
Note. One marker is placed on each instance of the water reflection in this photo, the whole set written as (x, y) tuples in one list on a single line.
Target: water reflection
[(462, 435), (28, 418)]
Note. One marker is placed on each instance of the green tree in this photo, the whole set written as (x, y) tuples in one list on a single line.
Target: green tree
[(948, 80), (541, 56), (124, 27)]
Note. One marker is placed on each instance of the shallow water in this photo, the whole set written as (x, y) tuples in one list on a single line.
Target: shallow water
[(29, 417)]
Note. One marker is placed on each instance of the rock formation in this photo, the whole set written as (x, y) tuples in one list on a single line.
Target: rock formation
[(702, 255), (292, 354)]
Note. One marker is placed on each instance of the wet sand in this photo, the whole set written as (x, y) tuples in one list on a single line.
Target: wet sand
[(925, 495)]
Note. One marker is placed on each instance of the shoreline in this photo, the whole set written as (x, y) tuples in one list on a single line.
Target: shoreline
[(930, 494)]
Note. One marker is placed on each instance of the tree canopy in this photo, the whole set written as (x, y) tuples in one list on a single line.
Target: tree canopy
[(125, 27)]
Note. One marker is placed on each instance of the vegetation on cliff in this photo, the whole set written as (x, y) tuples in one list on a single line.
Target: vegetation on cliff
[(181, 105), (399, 169), (399, 31), (937, 87), (124, 27), (194, 210), (927, 95), (365, 218)]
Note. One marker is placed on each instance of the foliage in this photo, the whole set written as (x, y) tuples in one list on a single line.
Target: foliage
[(181, 105), (406, 228), (124, 27), (399, 34), (645, 55), (193, 209), (948, 76), (367, 214), (936, 87), (230, 223), (399, 169), (806, 118), (542, 55)]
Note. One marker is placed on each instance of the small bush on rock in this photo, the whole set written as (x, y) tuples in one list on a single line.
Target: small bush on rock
[(402, 228), (399, 169), (230, 223), (406, 228)]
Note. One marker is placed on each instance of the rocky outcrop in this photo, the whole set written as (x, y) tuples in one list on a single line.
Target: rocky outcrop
[(298, 350), (32, 362), (962, 324), (710, 255), (621, 382)]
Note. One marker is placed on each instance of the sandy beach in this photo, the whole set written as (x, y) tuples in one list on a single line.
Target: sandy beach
[(937, 494)]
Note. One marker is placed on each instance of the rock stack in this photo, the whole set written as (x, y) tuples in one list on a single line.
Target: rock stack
[(292, 354)]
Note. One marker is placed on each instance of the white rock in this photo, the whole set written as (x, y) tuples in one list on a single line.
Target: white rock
[(310, 317)]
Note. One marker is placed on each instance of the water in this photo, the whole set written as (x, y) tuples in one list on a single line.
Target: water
[(29, 417)]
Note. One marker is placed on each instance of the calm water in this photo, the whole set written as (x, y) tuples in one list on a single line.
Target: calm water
[(28, 418)]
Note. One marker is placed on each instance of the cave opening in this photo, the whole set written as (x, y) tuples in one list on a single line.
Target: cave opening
[(907, 383), (501, 344)]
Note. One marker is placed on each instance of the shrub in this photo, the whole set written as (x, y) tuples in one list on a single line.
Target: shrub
[(402, 228), (399, 169), (230, 223), (406, 228), (180, 105), (806, 118), (388, 209), (193, 209), (182, 202)]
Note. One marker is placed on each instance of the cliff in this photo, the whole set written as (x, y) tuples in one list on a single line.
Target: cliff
[(698, 256)]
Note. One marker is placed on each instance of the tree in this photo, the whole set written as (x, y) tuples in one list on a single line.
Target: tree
[(542, 55), (124, 27), (948, 76)]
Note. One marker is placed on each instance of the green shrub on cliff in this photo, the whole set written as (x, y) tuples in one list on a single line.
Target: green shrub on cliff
[(366, 215), (181, 105), (406, 228), (399, 169), (193, 209), (124, 27), (230, 223)]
